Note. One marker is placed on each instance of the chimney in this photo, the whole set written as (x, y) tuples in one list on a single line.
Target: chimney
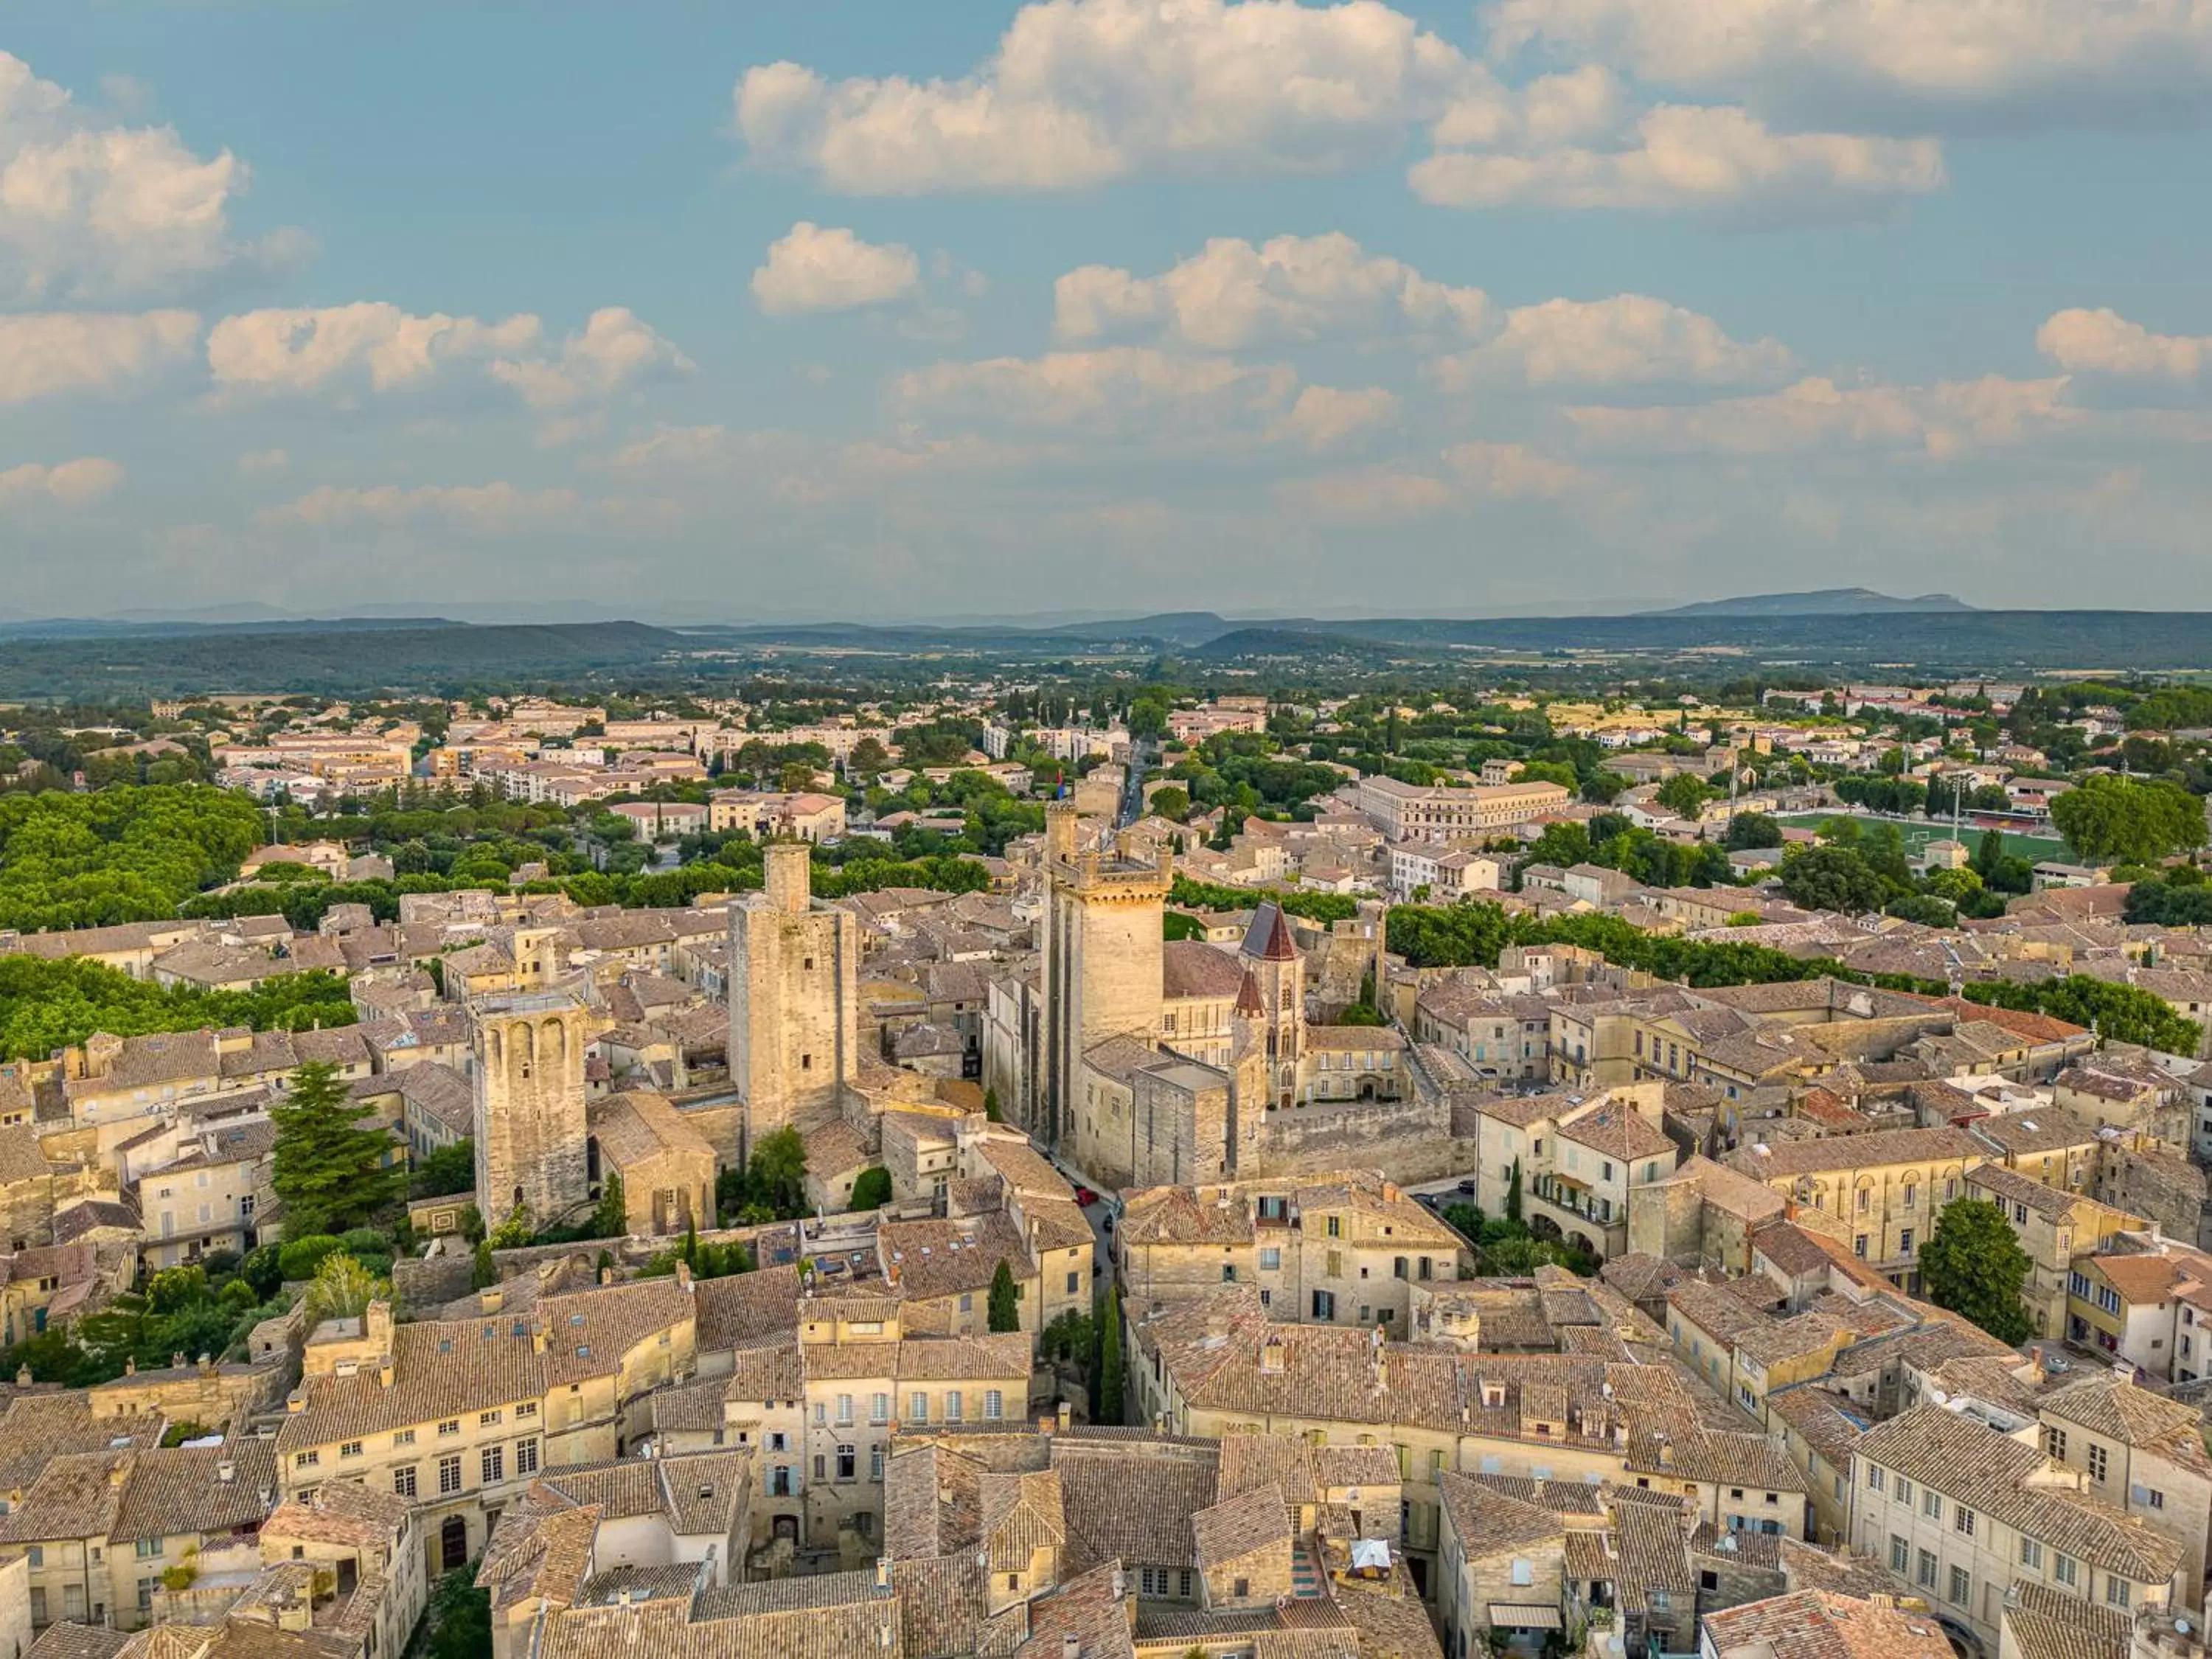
[(606, 1275), (207, 1365), (226, 1472), (883, 1572), (1067, 1415), (1070, 1646), (130, 1367), (177, 1361), (683, 1275)]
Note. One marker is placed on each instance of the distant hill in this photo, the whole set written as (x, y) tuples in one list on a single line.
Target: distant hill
[(1824, 602)]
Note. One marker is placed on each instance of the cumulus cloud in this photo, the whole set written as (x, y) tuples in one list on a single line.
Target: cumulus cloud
[(1290, 288), (299, 349), (1324, 416), (2103, 342), (614, 351), (492, 506), (1367, 494), (1912, 61), (1628, 339), (94, 211), (1081, 91), (1116, 390), (1817, 414), (1710, 160), (43, 353), (814, 269), (69, 484)]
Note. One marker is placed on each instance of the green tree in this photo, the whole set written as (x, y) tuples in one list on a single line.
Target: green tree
[(1005, 1309), (1106, 1380), (330, 1172), (776, 1180), (443, 1170), (1747, 830), (343, 1288), (2127, 820), (992, 1113), (1831, 878), (1973, 1264), (1513, 1194), (612, 1219), (1685, 794), (871, 1188), (484, 1272), (1172, 802)]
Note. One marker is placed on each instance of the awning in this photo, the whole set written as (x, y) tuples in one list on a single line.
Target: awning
[(1524, 1615)]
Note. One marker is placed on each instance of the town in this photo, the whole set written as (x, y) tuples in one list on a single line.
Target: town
[(1109, 1163)]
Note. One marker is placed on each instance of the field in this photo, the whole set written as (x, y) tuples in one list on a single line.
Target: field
[(1918, 832)]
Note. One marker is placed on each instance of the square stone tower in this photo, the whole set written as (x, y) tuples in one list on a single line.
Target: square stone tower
[(794, 1000), (528, 1085)]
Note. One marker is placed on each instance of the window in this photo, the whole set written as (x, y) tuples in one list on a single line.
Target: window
[(952, 1405), (875, 1462), (306, 1460), (148, 1546), (879, 1409), (38, 1555), (845, 1462), (2062, 1568), (495, 1464), (402, 1481), (968, 1303), (1072, 1282), (1924, 1568), (1962, 1520), (449, 1476), (2054, 1442), (525, 1457), (452, 1425), (1911, 1194), (1962, 1586), (2031, 1554), (1229, 1273), (2098, 1463), (527, 1408), (1270, 1261), (1324, 1304), (1873, 1477), (2152, 1497), (1333, 1226), (995, 1405), (1859, 1247), (844, 1408), (1524, 1571), (485, 1419), (1905, 1242), (917, 1407), (1931, 1506), (1900, 1554), (2116, 1591), (1903, 1490)]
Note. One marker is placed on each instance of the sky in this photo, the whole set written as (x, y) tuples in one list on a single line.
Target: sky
[(874, 309)]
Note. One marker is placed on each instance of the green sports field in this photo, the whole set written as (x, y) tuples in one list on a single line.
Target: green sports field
[(1918, 832)]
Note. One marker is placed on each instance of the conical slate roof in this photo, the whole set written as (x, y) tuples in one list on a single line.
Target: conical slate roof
[(1269, 936)]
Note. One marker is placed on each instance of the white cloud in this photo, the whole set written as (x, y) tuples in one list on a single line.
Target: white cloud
[(69, 483), (1115, 390), (1628, 339), (297, 350), (1324, 416), (92, 211), (1917, 60), (263, 463), (1817, 414), (1080, 92), (1512, 472), (492, 506), (42, 353), (814, 269), (1694, 158), (1290, 288), (2103, 342), (614, 350)]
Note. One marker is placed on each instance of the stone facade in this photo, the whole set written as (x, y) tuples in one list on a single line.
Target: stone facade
[(527, 1076), (794, 1001)]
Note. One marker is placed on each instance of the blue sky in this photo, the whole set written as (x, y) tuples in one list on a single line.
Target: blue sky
[(874, 309)]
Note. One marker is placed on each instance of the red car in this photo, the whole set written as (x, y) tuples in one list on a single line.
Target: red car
[(1085, 1197)]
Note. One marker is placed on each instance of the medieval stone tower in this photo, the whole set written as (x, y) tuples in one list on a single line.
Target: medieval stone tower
[(1102, 938), (529, 1104), (794, 1000)]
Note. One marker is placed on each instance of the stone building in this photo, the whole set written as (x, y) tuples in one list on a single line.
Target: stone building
[(530, 1130), (795, 1000)]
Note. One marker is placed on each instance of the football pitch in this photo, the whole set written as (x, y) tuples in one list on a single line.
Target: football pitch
[(1918, 832)]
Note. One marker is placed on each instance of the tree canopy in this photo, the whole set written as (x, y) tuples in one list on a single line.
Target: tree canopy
[(1974, 1266), (2128, 820), (126, 854), (330, 1172)]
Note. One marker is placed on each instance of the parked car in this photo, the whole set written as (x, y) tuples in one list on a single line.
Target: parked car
[(1085, 1197), (1466, 1186)]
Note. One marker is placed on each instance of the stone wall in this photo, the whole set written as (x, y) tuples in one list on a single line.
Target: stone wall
[(1406, 1140)]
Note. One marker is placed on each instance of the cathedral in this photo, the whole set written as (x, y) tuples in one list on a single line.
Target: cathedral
[(1181, 1061)]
